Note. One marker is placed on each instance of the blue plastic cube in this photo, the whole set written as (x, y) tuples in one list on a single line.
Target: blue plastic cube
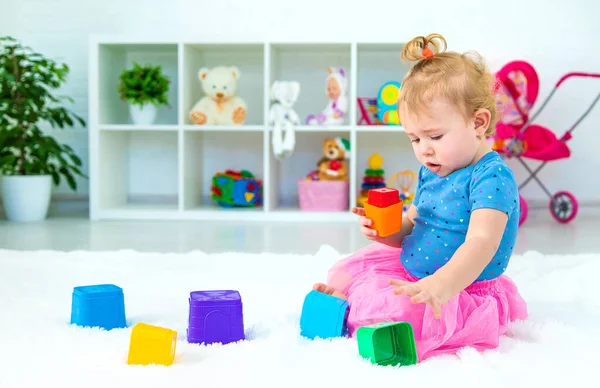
[(323, 316), (101, 305)]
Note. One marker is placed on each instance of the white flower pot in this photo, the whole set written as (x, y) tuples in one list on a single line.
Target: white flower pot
[(26, 198), (143, 115)]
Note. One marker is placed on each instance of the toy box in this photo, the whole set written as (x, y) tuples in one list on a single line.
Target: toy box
[(316, 195)]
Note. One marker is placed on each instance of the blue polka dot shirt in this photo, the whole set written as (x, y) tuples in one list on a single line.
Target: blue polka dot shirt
[(445, 204)]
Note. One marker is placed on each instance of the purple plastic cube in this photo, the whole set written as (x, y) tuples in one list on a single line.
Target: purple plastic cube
[(216, 316)]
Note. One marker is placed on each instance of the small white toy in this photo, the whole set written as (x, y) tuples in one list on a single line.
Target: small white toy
[(281, 114), (336, 88), (220, 105)]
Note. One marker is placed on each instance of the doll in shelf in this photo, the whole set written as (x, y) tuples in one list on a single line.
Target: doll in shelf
[(337, 91)]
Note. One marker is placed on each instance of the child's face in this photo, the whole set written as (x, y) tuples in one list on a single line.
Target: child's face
[(441, 138)]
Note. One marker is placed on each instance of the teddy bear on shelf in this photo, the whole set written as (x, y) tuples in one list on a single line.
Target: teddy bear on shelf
[(283, 116), (333, 164), (336, 88), (220, 105)]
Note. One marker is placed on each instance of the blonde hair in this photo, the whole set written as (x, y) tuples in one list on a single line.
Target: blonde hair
[(462, 79)]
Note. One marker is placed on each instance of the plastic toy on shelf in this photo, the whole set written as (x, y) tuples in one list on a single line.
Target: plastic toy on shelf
[(216, 316), (368, 109), (374, 178), (405, 182), (387, 103), (236, 188)]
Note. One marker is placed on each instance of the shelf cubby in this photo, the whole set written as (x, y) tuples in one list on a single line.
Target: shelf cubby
[(307, 64), (377, 63), (139, 171), (247, 58), (206, 153), (113, 58), (394, 147), (284, 174)]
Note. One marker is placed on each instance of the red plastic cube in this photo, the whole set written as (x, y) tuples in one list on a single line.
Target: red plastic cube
[(383, 197)]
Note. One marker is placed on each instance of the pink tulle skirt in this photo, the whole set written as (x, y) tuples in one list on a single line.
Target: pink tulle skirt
[(477, 317)]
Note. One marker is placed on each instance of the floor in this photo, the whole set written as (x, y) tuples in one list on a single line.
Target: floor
[(71, 230)]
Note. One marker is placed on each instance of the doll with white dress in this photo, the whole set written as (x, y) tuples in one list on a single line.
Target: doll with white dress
[(337, 92)]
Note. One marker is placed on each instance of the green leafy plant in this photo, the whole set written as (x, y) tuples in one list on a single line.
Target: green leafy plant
[(144, 84), (27, 99)]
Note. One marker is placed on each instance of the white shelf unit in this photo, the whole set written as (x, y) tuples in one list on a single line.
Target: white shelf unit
[(164, 171)]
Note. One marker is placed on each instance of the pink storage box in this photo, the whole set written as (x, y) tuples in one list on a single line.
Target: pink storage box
[(323, 195)]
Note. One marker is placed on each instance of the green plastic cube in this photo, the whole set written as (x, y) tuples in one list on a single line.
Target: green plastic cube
[(388, 343)]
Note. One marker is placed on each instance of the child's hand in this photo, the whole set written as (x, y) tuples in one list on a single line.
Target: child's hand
[(366, 223), (428, 290)]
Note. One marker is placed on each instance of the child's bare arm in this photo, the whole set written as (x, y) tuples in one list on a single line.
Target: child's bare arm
[(483, 238)]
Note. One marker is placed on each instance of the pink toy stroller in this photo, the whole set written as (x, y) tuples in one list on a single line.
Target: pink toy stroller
[(516, 136)]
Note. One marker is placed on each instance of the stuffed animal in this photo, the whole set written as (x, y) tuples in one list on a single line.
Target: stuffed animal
[(333, 165), (220, 105), (336, 88), (281, 114)]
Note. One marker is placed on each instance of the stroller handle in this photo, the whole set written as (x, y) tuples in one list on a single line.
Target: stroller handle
[(576, 74)]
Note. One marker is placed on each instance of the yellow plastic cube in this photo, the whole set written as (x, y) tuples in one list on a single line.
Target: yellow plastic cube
[(151, 345)]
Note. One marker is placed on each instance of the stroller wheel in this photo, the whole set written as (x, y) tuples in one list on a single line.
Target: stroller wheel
[(563, 207), (523, 210)]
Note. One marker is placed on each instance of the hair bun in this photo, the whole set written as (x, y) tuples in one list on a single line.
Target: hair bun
[(424, 47)]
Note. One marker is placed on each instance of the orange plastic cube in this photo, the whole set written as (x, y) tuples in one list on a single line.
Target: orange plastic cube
[(386, 220)]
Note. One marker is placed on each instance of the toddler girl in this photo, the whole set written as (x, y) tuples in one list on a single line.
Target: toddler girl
[(443, 272)]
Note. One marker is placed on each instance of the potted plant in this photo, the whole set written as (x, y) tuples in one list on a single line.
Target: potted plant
[(144, 88), (31, 159)]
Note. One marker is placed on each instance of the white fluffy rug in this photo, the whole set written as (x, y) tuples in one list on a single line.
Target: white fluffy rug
[(557, 346)]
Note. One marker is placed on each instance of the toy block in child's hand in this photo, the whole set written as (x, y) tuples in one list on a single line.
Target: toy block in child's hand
[(384, 208)]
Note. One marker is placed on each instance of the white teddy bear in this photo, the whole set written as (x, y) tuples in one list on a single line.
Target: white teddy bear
[(220, 105), (281, 114)]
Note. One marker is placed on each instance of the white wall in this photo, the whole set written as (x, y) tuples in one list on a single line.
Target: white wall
[(561, 39)]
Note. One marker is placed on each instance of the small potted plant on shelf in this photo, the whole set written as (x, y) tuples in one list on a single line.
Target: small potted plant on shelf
[(30, 159), (144, 88)]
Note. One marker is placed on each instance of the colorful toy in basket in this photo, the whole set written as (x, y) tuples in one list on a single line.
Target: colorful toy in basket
[(387, 103), (405, 181), (336, 88), (384, 208), (333, 166), (236, 188), (374, 178)]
